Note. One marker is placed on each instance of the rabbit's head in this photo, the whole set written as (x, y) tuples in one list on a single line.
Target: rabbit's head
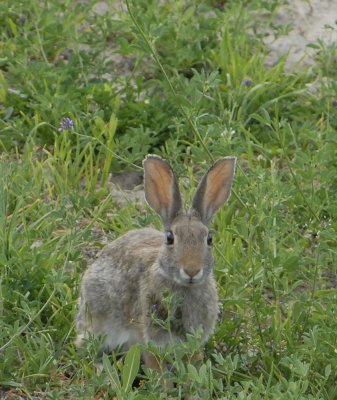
[(186, 254)]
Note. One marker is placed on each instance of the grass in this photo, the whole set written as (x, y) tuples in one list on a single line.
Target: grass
[(187, 82)]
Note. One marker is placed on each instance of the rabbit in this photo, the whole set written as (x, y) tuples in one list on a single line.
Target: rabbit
[(122, 290)]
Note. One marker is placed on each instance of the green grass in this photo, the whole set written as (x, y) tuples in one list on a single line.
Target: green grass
[(189, 84)]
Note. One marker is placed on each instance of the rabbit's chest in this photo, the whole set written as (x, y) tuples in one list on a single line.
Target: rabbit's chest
[(180, 314)]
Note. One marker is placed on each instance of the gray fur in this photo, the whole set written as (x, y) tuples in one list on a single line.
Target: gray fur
[(124, 288)]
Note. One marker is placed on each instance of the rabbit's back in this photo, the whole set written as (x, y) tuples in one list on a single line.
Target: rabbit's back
[(110, 288), (136, 247), (115, 275)]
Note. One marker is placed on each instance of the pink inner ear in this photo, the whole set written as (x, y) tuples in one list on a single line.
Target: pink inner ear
[(158, 184), (218, 186)]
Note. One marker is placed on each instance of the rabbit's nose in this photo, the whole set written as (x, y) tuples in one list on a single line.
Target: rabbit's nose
[(191, 273)]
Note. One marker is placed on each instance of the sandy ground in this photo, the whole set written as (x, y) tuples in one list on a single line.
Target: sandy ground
[(310, 20)]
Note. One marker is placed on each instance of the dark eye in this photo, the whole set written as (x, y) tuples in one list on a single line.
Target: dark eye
[(169, 237), (209, 239)]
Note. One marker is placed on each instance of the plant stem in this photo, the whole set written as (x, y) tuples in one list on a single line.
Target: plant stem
[(163, 71)]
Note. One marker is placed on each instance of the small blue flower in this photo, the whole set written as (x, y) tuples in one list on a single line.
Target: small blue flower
[(66, 123), (334, 104), (247, 82)]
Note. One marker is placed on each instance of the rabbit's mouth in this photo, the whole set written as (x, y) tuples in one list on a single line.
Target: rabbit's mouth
[(190, 278), (181, 277)]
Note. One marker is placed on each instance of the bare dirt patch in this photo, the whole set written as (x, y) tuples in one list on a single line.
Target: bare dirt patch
[(311, 21)]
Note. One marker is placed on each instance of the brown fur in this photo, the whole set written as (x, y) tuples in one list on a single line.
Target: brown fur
[(124, 293)]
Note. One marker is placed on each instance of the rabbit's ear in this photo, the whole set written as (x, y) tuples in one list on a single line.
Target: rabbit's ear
[(214, 189), (161, 188)]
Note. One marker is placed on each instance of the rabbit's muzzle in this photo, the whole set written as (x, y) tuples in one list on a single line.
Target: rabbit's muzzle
[(191, 268), (191, 276)]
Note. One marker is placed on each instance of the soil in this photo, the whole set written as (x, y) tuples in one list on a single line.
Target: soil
[(310, 21)]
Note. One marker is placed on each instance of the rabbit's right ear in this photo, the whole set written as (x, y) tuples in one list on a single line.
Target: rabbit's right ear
[(161, 189), (214, 189)]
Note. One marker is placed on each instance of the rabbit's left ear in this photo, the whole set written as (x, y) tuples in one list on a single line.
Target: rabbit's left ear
[(214, 189), (161, 189)]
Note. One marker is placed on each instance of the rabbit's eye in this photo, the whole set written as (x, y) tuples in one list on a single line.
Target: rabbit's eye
[(209, 239), (169, 237)]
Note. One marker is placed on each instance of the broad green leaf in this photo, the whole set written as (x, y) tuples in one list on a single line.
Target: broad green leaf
[(131, 367), (327, 371), (112, 372), (193, 373)]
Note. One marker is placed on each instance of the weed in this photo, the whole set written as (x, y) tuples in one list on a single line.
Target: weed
[(84, 93)]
